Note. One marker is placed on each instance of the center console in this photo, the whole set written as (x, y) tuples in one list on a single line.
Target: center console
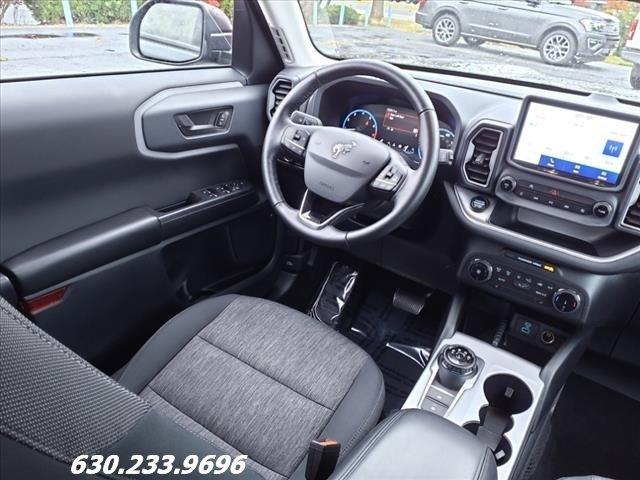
[(485, 390), (555, 201), (526, 280), (413, 444), (562, 183)]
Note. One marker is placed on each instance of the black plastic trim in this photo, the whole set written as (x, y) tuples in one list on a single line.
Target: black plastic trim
[(84, 249)]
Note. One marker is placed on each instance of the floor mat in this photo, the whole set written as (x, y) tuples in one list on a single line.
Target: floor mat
[(596, 431), (398, 341)]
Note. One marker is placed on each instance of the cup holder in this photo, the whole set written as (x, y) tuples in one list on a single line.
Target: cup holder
[(506, 396), (503, 451), (483, 415), (508, 393)]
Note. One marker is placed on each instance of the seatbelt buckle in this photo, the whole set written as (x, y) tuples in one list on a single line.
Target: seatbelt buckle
[(322, 459)]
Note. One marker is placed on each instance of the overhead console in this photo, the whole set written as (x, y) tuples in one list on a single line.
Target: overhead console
[(561, 184)]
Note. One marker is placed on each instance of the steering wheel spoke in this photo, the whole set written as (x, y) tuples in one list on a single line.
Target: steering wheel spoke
[(297, 129), (391, 178), (295, 140), (319, 213)]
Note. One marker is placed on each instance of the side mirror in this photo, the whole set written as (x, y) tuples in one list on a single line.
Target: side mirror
[(180, 32), (534, 3)]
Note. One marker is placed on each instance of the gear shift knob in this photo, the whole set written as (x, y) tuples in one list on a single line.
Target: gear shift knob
[(457, 365)]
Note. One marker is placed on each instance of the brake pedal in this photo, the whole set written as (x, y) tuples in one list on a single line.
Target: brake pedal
[(410, 302)]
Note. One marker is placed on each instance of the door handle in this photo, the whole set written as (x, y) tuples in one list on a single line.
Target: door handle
[(217, 121), (189, 127)]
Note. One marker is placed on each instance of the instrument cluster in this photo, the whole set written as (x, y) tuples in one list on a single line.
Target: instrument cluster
[(397, 127)]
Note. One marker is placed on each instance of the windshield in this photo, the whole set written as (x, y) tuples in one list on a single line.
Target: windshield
[(584, 45)]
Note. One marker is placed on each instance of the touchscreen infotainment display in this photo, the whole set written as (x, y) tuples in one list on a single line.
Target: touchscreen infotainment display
[(584, 146)]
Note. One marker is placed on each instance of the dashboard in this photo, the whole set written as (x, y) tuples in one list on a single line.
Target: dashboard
[(536, 199), (532, 220), (534, 211), (395, 126)]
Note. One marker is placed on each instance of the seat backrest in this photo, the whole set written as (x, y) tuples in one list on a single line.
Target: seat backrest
[(52, 400)]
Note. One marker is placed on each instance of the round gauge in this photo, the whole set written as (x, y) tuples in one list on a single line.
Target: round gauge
[(447, 138), (361, 121)]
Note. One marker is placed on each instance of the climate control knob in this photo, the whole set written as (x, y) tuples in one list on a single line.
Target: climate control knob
[(480, 270), (508, 183), (566, 301)]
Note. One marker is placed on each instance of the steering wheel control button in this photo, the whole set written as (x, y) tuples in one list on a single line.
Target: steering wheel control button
[(508, 184), (480, 270), (566, 301), (302, 118), (479, 204), (295, 140), (388, 180), (457, 364), (602, 209)]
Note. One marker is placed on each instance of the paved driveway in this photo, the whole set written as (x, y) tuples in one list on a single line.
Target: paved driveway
[(418, 48), (51, 51)]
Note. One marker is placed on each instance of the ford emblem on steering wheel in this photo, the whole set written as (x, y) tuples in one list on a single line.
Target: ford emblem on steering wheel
[(343, 148)]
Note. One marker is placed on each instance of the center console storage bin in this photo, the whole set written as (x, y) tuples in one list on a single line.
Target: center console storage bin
[(418, 444)]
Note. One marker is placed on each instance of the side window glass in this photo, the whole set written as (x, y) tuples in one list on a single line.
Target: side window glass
[(54, 38)]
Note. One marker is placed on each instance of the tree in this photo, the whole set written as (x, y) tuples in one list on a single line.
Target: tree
[(4, 6), (377, 9), (307, 9)]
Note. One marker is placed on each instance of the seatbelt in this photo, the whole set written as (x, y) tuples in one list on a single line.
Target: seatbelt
[(322, 459)]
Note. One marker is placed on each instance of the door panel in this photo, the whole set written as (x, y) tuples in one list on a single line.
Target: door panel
[(519, 21), (478, 17), (105, 199), (69, 155)]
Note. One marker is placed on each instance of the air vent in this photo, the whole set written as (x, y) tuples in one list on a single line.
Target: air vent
[(632, 220), (282, 44), (481, 156), (279, 90)]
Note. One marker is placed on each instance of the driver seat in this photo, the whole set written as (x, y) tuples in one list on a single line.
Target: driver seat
[(231, 374)]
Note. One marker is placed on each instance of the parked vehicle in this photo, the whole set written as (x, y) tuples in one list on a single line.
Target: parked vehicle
[(562, 33), (631, 52)]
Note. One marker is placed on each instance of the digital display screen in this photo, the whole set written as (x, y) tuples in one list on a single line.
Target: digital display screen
[(396, 127), (403, 123), (584, 146)]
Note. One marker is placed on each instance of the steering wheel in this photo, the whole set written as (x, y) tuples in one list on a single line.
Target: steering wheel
[(345, 171)]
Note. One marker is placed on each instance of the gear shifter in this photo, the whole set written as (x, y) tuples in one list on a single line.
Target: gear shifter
[(457, 365)]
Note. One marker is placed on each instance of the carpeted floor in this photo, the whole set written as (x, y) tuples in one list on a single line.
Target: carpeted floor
[(395, 339)]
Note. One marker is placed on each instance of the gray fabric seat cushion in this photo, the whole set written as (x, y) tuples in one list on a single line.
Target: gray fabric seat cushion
[(257, 378)]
